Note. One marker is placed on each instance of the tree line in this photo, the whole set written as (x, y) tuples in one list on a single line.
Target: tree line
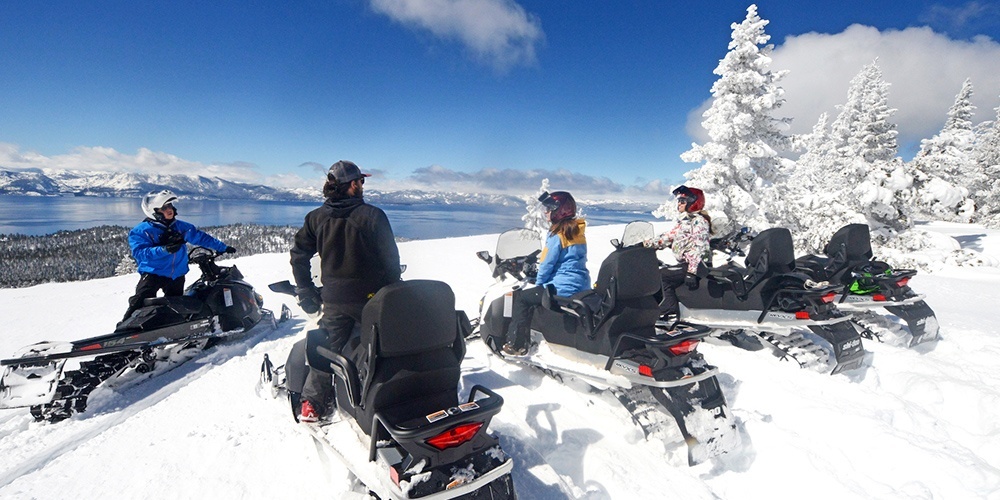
[(103, 251)]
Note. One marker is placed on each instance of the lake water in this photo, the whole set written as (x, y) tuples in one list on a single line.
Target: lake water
[(34, 215)]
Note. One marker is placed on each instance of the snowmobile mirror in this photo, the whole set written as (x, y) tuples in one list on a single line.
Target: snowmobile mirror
[(284, 287), (615, 243), (402, 268), (485, 256)]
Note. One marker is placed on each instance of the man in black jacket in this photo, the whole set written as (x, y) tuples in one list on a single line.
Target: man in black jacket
[(358, 256)]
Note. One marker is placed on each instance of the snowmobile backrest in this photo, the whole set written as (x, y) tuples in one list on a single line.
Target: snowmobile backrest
[(771, 252), (410, 317), (851, 243), (633, 271)]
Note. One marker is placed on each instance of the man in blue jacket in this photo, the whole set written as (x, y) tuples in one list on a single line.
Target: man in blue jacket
[(157, 245)]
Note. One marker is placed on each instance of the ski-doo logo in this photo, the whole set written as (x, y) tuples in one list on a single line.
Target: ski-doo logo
[(851, 344)]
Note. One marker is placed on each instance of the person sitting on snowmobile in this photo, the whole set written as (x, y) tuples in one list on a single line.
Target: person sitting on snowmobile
[(156, 245), (562, 264), (358, 256), (689, 241)]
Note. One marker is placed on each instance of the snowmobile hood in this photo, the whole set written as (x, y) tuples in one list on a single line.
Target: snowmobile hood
[(343, 207)]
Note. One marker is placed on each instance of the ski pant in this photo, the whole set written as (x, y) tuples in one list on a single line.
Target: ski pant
[(148, 285), (524, 303), (338, 323), (671, 278)]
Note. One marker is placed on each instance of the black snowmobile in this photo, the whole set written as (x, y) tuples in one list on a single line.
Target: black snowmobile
[(608, 338), (159, 335), (769, 300), (870, 285), (399, 425)]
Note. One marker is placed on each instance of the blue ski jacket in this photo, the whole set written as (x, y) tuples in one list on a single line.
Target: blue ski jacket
[(564, 263), (153, 258)]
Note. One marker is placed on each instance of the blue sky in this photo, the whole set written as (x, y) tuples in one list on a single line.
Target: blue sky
[(484, 95)]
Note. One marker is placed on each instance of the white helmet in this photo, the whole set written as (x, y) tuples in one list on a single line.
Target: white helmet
[(156, 200)]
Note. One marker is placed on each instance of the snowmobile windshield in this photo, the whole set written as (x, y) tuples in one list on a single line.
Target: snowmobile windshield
[(636, 232), (517, 243)]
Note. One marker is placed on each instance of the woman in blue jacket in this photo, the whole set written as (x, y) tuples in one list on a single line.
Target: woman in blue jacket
[(157, 245), (563, 264)]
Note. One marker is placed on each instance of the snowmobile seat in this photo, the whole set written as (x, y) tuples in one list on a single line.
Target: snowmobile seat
[(771, 252), (853, 241), (411, 351), (181, 304), (625, 299)]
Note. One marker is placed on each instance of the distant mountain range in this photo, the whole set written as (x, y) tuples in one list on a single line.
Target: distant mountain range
[(37, 182)]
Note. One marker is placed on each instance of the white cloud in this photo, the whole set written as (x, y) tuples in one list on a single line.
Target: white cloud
[(497, 32), (99, 158), (925, 70)]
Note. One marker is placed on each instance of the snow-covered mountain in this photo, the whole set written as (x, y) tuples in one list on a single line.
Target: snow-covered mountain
[(48, 182), (910, 424)]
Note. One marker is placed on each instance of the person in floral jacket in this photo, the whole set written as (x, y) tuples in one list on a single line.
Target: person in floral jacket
[(689, 242)]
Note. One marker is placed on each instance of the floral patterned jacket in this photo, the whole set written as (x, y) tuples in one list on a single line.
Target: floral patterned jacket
[(689, 241)]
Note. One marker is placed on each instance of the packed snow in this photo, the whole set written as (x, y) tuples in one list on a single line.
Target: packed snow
[(915, 423)]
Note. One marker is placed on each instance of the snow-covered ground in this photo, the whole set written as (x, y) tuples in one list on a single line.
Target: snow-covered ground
[(913, 423)]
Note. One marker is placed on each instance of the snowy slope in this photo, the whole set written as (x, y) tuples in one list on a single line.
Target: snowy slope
[(920, 423)]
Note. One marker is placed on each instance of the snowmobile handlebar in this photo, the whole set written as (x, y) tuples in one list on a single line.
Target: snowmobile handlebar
[(521, 267), (733, 244)]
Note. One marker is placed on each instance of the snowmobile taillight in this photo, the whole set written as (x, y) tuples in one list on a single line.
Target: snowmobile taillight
[(830, 297), (394, 475), (645, 371), (901, 283), (683, 347), (455, 436), (802, 315), (878, 297)]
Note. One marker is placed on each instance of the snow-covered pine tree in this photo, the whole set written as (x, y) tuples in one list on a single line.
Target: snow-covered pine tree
[(849, 174), (741, 162), (986, 189), (945, 167), (537, 220)]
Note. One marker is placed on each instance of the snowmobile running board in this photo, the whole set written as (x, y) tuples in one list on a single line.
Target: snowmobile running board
[(590, 368), (110, 343)]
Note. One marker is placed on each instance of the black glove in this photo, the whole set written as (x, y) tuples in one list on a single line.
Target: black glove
[(173, 247), (230, 250), (309, 299), (691, 281)]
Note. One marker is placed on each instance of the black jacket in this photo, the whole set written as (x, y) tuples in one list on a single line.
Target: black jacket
[(356, 247)]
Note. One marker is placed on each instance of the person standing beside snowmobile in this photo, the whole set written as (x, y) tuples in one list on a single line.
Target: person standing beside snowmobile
[(562, 264), (156, 245), (358, 256), (689, 241)]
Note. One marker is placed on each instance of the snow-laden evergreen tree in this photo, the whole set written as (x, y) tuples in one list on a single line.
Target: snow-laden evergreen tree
[(945, 165), (741, 162), (849, 173), (986, 189), (537, 219)]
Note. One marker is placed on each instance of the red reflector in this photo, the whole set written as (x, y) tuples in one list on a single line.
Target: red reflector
[(878, 297), (645, 371), (90, 347), (394, 475), (683, 347), (455, 436), (829, 298), (901, 283), (801, 315)]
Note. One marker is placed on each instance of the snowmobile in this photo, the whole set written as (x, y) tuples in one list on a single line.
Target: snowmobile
[(608, 338), (398, 423), (163, 333), (768, 300), (870, 285)]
